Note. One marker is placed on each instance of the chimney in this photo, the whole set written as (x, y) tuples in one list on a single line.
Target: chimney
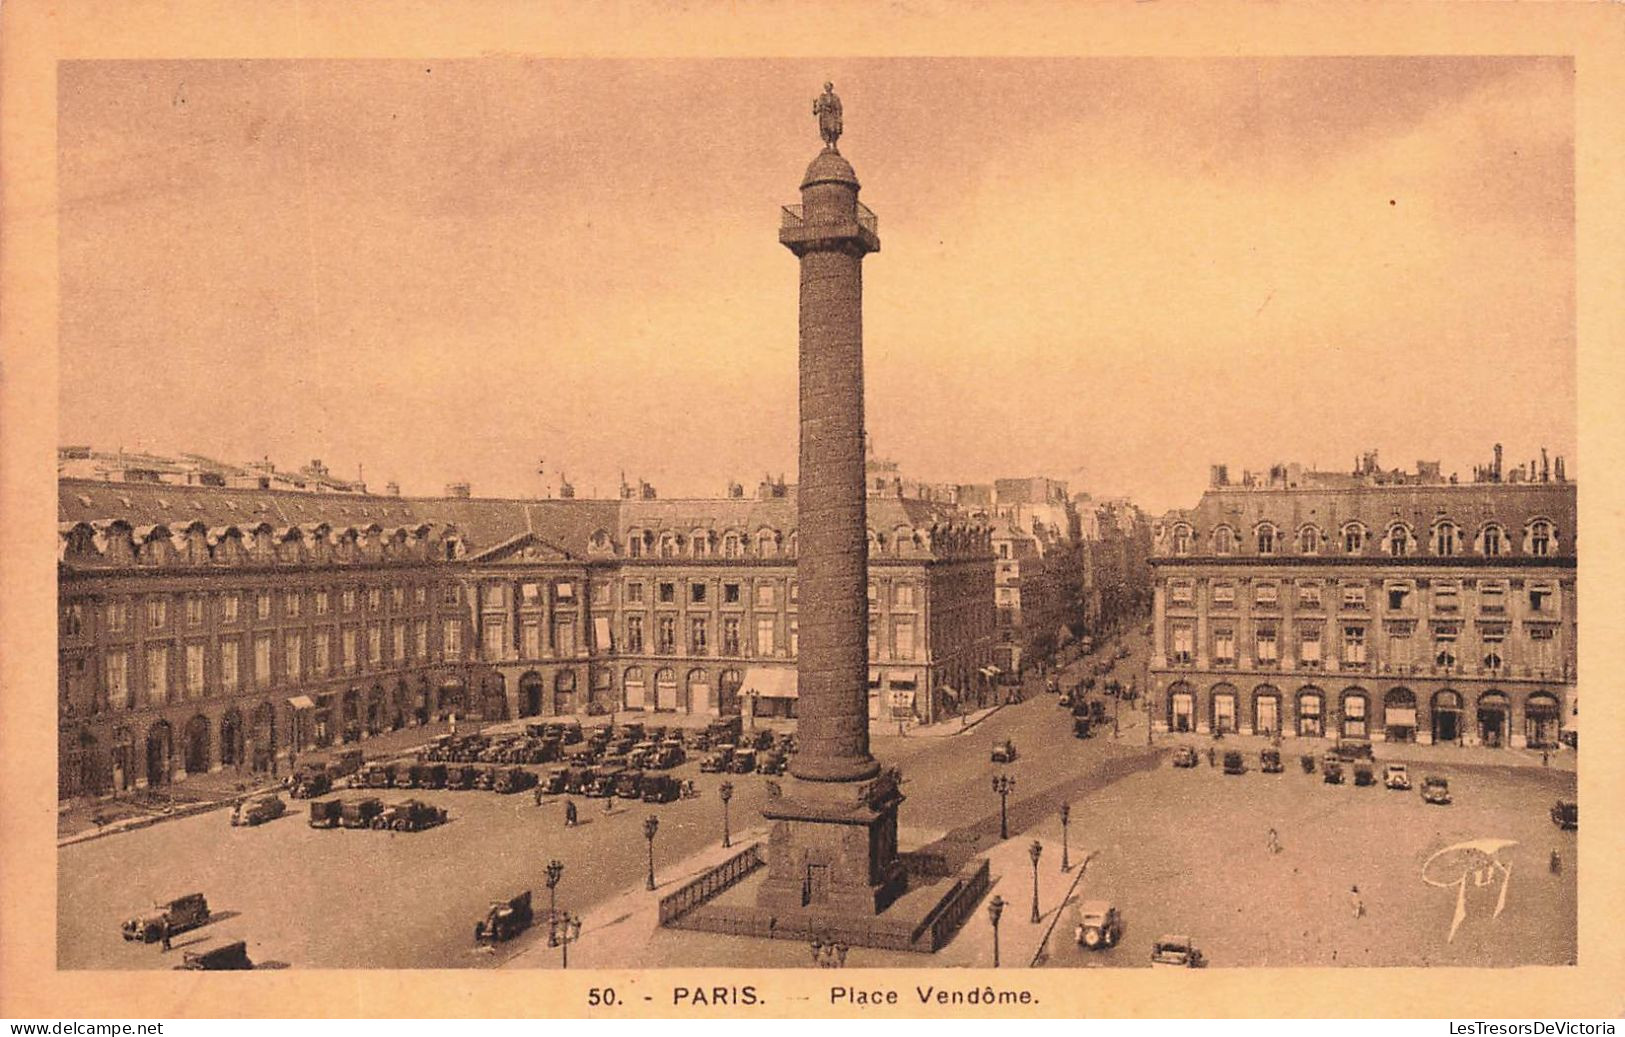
[(460, 490), (392, 489), (735, 491), (1562, 476), (1218, 475), (567, 490), (1545, 467), (645, 491), (1495, 469)]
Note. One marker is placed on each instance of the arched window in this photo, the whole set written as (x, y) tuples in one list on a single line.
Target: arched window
[(634, 543), (599, 543), (1309, 540), (1541, 539), (731, 547), (1224, 540), (1398, 540), (1182, 539), (1492, 541), (668, 545), (1444, 539), (1266, 539), (767, 543), (1353, 538), (700, 542)]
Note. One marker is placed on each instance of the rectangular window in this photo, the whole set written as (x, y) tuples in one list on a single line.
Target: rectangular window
[(795, 637), (194, 671), (375, 644), (293, 654), (795, 592), (530, 640), (375, 598), (397, 598), (668, 636), (422, 637), (766, 627), (764, 595), (451, 639), (118, 617), (292, 603), (1267, 594), (228, 665), (903, 638), (1224, 646), (1494, 644), (347, 641), (1444, 645), (1540, 597), (903, 595), (730, 594), (696, 593), (730, 635), (564, 590), (157, 613), (1492, 597), (1184, 642), (697, 636), (1264, 640), (600, 592), (634, 593), (420, 595), (1542, 647), (262, 605), (634, 634), (874, 636), (450, 594), (118, 680), (324, 603), (400, 642), (347, 599), (323, 649), (1354, 595), (668, 593), (157, 675), (1309, 646), (491, 640), (262, 661), (1309, 595), (1354, 644), (1400, 650), (1224, 594), (1446, 597), (194, 610), (229, 606), (1181, 592), (1398, 597)]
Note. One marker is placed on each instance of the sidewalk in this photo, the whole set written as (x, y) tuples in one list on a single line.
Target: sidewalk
[(1451, 754), (955, 726)]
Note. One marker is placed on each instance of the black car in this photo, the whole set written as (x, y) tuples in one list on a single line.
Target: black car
[(1233, 763)]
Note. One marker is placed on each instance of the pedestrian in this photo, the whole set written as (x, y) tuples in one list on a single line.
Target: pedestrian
[(538, 795), (1212, 756), (1545, 758), (609, 804), (569, 813), (1556, 862), (1356, 902), (163, 932), (1274, 842)]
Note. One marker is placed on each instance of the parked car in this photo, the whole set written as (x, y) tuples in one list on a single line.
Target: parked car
[(1177, 952), (348, 761), (1098, 925), (1332, 771), (743, 762), (629, 785), (505, 920), (1307, 762), (1185, 756), (604, 785), (771, 762), (1396, 776), (661, 788), (409, 815), (359, 813), (579, 779), (219, 956), (555, 781), (182, 913), (1233, 763), (513, 779), (717, 760), (1269, 761), (1004, 752), (1435, 791), (325, 813), (1351, 749), (310, 783), (461, 777), (376, 775), (1566, 815), (1363, 775), (485, 778), (258, 809)]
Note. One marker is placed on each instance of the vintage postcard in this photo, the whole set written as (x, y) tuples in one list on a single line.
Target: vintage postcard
[(1011, 512)]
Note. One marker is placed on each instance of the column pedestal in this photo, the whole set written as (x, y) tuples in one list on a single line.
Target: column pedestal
[(832, 848)]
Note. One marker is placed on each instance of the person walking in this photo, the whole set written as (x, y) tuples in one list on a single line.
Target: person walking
[(1274, 842), (1545, 758), (1355, 902), (538, 795), (1556, 863), (164, 932), (569, 813), (1212, 756)]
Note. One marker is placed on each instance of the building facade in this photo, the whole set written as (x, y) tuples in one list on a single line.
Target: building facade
[(1391, 606), (204, 627)]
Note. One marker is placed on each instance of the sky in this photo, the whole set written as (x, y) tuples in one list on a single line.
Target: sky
[(1110, 271)]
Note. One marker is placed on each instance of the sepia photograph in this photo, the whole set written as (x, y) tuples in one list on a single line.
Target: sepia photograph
[(584, 513)]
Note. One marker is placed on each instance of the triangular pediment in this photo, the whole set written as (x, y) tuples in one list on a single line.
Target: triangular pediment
[(524, 549)]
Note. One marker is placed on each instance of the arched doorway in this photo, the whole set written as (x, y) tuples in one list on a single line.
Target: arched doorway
[(700, 699), (262, 743), (1311, 716), (1542, 721), (1222, 704), (1266, 710), (635, 692), (1446, 716), (420, 709), (160, 751), (350, 711), (231, 739), (603, 690), (1399, 715), (1356, 714), (728, 685), (196, 742), (530, 694), (322, 725), (666, 690), (375, 710), (1181, 707), (401, 707), (1493, 711), (564, 693), (494, 697)]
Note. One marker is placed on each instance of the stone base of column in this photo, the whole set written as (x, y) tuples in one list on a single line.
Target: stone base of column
[(832, 848)]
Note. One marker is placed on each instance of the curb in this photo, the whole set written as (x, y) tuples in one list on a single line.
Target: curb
[(1043, 944)]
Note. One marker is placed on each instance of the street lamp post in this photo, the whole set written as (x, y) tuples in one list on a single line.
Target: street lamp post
[(651, 825), (555, 871), (1035, 851), (1003, 784), (562, 931), (995, 908), (1066, 816), (726, 791)]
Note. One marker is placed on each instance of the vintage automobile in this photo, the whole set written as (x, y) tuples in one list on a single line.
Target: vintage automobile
[(1332, 771), (787, 743), (1269, 761), (585, 754), (1233, 763), (325, 813), (579, 779), (513, 779), (1177, 952), (218, 956), (1004, 752), (1566, 814), (1436, 791), (1185, 756), (555, 781), (639, 756), (461, 776), (409, 815), (629, 785), (505, 920), (718, 760), (697, 739), (376, 775), (1307, 762), (771, 762), (743, 762), (182, 913), (311, 782), (1397, 777), (258, 809), (764, 739), (347, 761), (1364, 774), (1351, 749), (1065, 701), (605, 784), (729, 730), (661, 788), (485, 778), (1098, 925), (668, 754), (1082, 727), (360, 813)]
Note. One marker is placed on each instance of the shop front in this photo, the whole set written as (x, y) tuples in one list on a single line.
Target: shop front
[(1493, 712), (1399, 715), (773, 690), (1446, 710), (1542, 721), (1311, 718)]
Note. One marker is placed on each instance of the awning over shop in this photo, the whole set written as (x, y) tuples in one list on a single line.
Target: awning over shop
[(301, 702), (774, 683)]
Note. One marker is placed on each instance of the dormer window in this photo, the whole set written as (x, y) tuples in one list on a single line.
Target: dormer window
[(1398, 541), (1224, 541), (1540, 538), (1266, 540), (1182, 540), (1444, 539), (1309, 540), (1353, 538), (1492, 541)]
